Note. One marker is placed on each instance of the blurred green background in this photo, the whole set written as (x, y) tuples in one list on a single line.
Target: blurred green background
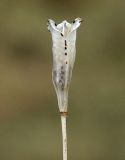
[(29, 122)]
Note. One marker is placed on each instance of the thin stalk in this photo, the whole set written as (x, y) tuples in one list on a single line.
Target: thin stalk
[(64, 136)]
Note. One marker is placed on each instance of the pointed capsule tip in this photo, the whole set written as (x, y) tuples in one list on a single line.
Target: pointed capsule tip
[(81, 21)]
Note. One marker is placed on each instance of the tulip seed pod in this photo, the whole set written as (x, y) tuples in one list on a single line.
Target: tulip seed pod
[(64, 51)]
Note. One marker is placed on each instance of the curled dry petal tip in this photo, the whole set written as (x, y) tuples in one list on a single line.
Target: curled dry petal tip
[(64, 27), (79, 19), (52, 25), (76, 23)]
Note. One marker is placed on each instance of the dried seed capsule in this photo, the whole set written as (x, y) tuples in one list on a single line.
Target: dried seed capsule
[(63, 65)]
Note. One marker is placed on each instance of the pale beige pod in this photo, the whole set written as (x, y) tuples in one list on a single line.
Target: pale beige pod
[(64, 51)]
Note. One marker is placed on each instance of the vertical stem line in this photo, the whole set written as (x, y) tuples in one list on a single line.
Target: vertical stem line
[(64, 136)]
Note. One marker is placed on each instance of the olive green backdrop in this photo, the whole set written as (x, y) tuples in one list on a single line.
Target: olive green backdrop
[(29, 122)]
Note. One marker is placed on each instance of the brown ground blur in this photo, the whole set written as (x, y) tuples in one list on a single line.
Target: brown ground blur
[(29, 123)]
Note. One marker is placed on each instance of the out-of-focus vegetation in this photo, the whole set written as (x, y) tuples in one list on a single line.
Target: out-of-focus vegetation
[(29, 122)]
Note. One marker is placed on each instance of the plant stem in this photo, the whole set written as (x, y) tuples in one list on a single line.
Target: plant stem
[(64, 136)]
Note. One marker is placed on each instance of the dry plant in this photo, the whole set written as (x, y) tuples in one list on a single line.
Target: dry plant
[(64, 51)]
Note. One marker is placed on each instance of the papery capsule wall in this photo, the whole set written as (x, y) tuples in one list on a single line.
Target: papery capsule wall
[(64, 50)]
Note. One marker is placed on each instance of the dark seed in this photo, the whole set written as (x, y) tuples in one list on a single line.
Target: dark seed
[(73, 21), (65, 43), (61, 34), (62, 72), (65, 54), (65, 47), (66, 62), (55, 24)]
